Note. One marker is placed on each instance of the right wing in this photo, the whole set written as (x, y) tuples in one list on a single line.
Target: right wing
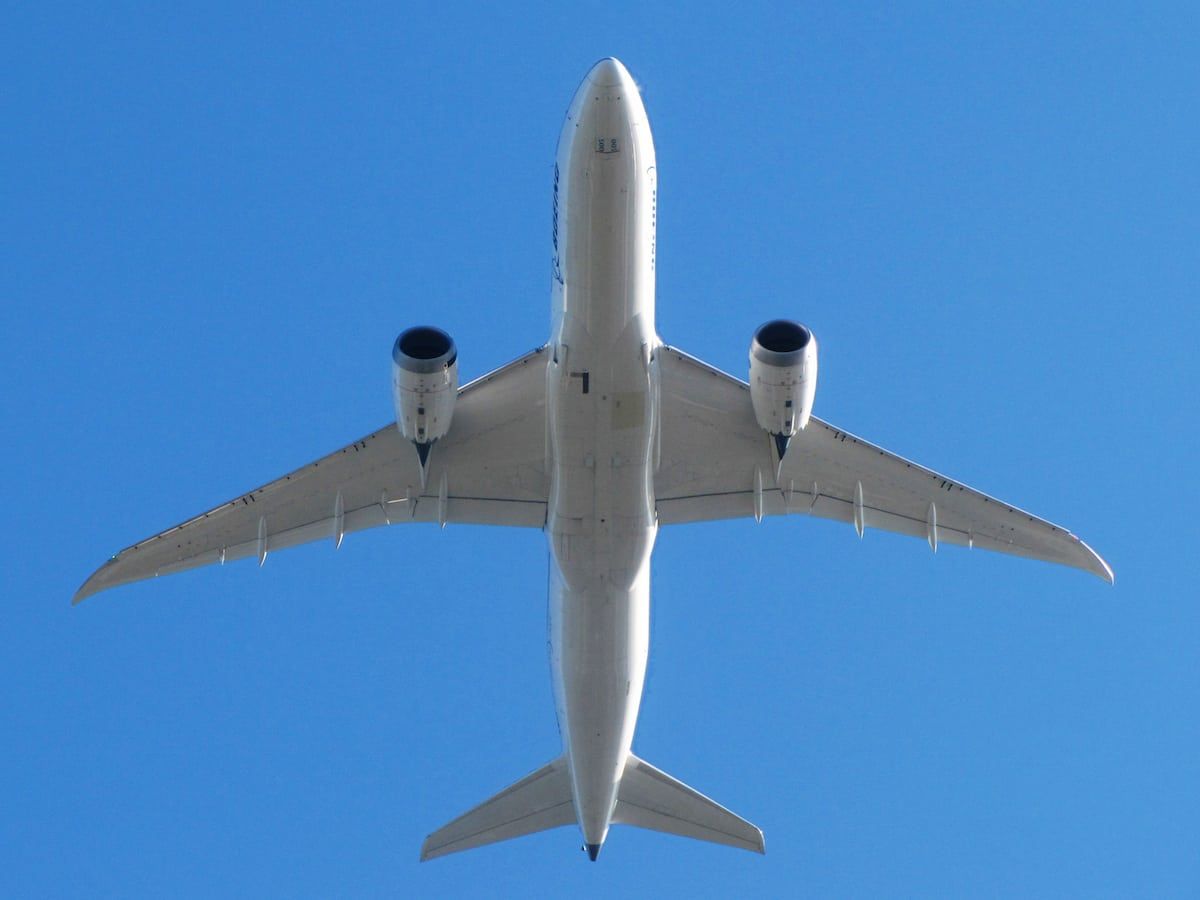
[(717, 463), (489, 469)]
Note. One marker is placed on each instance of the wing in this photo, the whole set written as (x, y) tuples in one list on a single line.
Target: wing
[(717, 463), (489, 469)]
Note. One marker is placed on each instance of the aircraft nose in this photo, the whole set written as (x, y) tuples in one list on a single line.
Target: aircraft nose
[(607, 106), (609, 72)]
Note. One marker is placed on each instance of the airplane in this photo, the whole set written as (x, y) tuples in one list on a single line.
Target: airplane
[(599, 437)]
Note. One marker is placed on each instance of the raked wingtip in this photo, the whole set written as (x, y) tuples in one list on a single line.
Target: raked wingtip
[(1100, 568), (427, 852), (92, 585), (85, 590)]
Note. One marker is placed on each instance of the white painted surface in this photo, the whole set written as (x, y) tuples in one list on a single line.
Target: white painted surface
[(601, 410), (598, 437)]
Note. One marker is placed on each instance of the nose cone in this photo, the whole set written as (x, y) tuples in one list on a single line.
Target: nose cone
[(609, 72), (607, 106)]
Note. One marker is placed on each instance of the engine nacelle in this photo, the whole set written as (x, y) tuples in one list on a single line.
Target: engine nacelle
[(783, 376), (424, 383)]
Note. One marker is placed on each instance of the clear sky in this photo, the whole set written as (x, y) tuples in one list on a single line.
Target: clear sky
[(215, 223)]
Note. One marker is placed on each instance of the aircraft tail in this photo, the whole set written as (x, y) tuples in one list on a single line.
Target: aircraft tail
[(646, 798), (650, 798), (537, 802)]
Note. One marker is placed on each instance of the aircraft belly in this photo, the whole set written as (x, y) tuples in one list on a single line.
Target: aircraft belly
[(600, 638), (601, 417), (601, 529)]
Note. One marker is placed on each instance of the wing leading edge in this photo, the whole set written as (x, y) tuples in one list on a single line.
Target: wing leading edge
[(489, 470), (717, 463)]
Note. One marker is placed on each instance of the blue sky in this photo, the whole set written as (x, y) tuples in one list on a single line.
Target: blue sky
[(214, 224)]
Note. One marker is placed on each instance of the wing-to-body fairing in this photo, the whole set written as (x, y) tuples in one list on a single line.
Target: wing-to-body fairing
[(598, 438)]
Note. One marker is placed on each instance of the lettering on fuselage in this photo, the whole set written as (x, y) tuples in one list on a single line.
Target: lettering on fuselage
[(653, 223), (607, 145), (554, 236)]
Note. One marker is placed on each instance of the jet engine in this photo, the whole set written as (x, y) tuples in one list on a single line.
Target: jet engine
[(783, 377), (424, 384)]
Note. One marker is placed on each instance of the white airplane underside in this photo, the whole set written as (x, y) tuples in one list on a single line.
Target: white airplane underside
[(598, 438)]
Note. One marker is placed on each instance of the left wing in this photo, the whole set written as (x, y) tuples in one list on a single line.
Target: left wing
[(717, 463), (489, 469)]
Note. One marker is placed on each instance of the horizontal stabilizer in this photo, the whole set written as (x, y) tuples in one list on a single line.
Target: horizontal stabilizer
[(650, 798), (535, 803)]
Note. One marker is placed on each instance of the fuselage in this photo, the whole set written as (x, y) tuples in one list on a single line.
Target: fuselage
[(602, 418)]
